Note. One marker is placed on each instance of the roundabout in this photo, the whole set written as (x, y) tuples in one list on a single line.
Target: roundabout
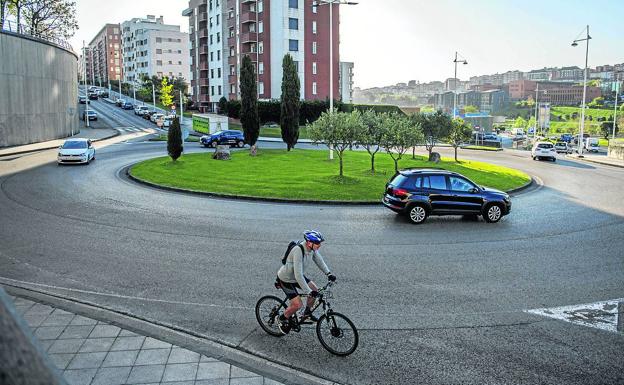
[(445, 302)]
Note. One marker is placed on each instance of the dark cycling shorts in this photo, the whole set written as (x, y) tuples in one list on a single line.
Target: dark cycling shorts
[(290, 289)]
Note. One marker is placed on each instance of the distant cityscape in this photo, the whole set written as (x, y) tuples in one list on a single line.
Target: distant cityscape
[(491, 93)]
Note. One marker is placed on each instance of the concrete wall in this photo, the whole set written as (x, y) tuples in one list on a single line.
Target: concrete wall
[(616, 150), (38, 91)]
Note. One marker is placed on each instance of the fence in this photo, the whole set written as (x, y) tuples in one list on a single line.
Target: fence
[(21, 29)]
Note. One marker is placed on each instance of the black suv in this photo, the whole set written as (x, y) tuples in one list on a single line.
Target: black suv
[(231, 137), (419, 193)]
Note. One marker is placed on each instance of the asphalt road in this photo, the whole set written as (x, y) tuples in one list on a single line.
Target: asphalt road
[(439, 303)]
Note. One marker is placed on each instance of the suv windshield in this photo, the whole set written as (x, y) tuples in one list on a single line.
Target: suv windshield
[(74, 145)]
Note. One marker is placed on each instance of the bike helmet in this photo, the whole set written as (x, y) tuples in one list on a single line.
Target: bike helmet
[(313, 236)]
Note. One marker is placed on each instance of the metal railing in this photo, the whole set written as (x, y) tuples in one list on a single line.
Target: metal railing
[(21, 29)]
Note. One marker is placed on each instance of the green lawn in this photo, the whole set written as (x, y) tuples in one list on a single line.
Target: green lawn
[(276, 132), (304, 174), (163, 138)]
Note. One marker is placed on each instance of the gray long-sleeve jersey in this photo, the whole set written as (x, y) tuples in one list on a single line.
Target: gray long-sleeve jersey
[(293, 270)]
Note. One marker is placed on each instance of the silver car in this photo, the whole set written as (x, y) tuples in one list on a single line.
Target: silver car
[(76, 150)]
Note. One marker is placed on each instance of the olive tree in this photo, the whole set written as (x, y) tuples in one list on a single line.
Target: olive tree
[(459, 134), (434, 127), (370, 134), (337, 130), (401, 134)]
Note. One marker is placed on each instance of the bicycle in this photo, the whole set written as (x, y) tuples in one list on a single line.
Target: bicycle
[(334, 330)]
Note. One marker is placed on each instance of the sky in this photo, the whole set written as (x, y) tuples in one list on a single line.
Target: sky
[(392, 41)]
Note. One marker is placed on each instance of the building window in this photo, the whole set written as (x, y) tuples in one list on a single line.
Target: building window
[(231, 31), (212, 74), (218, 19), (219, 54), (261, 68), (211, 56), (261, 88), (219, 74), (260, 27), (313, 88), (159, 40), (261, 47), (231, 51), (158, 62), (211, 39), (158, 51), (218, 37), (293, 23), (231, 14), (293, 4), (314, 48), (260, 6), (212, 90), (232, 70), (314, 27), (219, 90), (232, 88), (313, 68), (314, 10), (293, 45)]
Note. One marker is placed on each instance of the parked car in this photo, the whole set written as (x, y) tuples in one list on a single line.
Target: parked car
[(148, 114), (591, 144), (490, 137), (77, 150), (576, 138), (167, 120), (93, 96), (83, 100), (544, 150), (270, 124), (154, 118), (419, 193), (566, 138), (120, 102), (140, 110), (127, 106), (92, 115), (231, 137), (103, 93), (563, 147)]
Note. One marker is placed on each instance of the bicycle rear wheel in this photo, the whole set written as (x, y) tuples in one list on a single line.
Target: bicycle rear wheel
[(268, 309), (337, 334)]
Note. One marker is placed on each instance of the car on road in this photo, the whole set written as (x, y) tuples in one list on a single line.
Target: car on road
[(127, 106), (120, 102), (230, 137), (83, 100), (92, 115), (140, 110), (93, 95), (76, 150), (591, 144), (148, 114), (419, 193), (491, 137), (168, 120), (102, 93), (566, 138), (563, 147), (543, 150), (154, 118)]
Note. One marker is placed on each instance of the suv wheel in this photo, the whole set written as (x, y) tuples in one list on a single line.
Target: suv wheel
[(241, 144), (417, 214), (493, 213)]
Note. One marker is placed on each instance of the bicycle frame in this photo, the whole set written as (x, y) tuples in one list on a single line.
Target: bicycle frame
[(320, 301)]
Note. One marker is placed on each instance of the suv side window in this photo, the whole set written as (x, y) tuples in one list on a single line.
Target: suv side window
[(437, 182), (460, 184)]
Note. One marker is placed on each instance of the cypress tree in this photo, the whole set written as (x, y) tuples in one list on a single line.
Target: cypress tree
[(249, 103), (291, 95), (174, 140)]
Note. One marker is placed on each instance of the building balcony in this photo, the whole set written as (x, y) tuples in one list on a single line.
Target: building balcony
[(203, 66), (203, 50), (204, 98), (253, 55), (232, 79), (231, 41), (232, 60), (247, 1), (248, 37), (248, 17), (203, 33), (202, 16), (203, 82)]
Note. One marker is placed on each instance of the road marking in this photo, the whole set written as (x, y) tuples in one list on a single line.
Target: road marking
[(602, 315)]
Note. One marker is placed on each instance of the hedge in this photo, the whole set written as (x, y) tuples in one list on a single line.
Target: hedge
[(310, 110)]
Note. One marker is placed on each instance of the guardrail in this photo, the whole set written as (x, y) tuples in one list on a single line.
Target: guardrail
[(20, 29)]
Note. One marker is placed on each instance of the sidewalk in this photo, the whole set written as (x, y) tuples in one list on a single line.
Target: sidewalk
[(91, 352), (95, 134), (600, 159)]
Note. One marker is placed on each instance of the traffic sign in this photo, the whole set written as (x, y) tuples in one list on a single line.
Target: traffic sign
[(173, 107)]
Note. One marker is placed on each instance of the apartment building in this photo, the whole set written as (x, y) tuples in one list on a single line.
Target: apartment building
[(153, 48), (222, 32), (346, 82), (106, 56)]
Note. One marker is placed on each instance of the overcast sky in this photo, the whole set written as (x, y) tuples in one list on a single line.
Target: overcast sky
[(394, 41)]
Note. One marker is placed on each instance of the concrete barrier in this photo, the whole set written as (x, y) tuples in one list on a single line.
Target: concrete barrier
[(38, 90), (616, 149)]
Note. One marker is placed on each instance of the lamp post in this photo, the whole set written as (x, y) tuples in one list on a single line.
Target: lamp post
[(574, 44), (84, 67), (317, 3), (617, 92), (456, 60)]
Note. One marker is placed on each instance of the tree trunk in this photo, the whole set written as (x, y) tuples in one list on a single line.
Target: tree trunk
[(455, 154), (340, 158), (396, 165), (414, 152), (373, 164)]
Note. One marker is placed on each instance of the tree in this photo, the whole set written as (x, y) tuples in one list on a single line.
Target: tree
[(401, 134), (291, 95), (174, 140), (223, 106), (166, 92), (370, 135), (596, 103), (434, 126), (49, 18), (460, 133), (607, 129), (520, 122), (338, 130), (249, 103), (470, 109), (4, 10)]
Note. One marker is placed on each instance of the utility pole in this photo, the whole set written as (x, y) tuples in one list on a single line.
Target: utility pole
[(574, 44)]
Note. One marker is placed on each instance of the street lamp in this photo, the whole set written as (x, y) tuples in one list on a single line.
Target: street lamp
[(464, 61), (574, 44), (331, 51)]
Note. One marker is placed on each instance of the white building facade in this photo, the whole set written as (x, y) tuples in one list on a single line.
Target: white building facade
[(152, 48), (346, 82)]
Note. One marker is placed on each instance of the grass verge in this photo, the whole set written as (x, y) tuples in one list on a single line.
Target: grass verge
[(481, 148), (305, 174), (163, 138)]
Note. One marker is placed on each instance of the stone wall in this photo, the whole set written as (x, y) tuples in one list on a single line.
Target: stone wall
[(616, 150), (38, 90)]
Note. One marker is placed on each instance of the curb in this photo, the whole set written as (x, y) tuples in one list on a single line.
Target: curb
[(481, 149), (173, 334), (597, 162), (523, 187), (53, 147)]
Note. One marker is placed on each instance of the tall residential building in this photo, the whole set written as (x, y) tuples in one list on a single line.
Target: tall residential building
[(105, 50), (346, 82), (222, 32), (153, 48)]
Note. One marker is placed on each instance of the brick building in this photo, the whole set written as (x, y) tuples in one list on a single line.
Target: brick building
[(557, 93), (105, 55)]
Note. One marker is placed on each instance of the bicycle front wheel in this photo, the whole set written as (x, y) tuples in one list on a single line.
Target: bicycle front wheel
[(337, 334), (268, 309)]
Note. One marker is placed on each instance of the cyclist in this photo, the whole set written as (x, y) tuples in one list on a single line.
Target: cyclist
[(291, 277)]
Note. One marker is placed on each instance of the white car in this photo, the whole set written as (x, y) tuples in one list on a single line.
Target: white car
[(154, 118), (544, 150), (76, 150), (140, 110), (168, 120)]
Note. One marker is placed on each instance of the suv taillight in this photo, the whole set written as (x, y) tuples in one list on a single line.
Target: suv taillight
[(400, 193)]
